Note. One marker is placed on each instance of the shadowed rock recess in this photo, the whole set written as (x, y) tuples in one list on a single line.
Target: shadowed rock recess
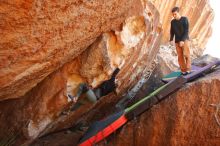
[(47, 48)]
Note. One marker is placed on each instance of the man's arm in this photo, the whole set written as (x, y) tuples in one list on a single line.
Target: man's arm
[(186, 29), (171, 32)]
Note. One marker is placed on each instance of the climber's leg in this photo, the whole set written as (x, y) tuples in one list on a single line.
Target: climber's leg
[(91, 96)]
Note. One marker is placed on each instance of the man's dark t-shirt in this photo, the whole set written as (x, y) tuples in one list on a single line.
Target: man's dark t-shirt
[(179, 28)]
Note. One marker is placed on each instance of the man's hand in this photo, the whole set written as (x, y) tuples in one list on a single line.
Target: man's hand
[(181, 43), (171, 43)]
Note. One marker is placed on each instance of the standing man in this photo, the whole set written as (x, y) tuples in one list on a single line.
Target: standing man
[(180, 29)]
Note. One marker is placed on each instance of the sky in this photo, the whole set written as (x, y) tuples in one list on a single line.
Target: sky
[(213, 45)]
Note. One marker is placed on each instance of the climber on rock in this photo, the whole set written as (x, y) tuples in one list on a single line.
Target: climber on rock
[(87, 95), (84, 95), (180, 29), (107, 86)]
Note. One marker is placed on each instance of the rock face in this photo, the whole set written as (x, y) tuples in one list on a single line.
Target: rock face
[(133, 43), (39, 37), (48, 48), (188, 117)]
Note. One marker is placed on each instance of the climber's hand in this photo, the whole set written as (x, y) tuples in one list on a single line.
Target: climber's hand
[(75, 98)]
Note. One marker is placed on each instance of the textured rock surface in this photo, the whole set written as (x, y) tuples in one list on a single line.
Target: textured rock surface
[(188, 117), (38, 37), (132, 48)]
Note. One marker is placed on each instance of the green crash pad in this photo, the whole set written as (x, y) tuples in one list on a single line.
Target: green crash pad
[(171, 76), (175, 74)]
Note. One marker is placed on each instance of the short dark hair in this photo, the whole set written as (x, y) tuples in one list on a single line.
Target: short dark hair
[(175, 9)]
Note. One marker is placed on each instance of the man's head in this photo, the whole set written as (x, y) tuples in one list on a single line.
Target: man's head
[(175, 13)]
